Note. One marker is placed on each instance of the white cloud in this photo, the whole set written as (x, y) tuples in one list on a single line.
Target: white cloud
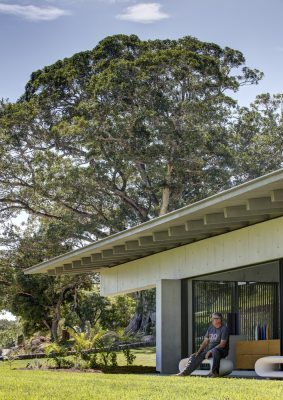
[(91, 1), (117, 1), (33, 13), (145, 13)]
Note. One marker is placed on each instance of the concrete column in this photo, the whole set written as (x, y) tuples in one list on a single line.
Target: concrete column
[(168, 325), (187, 317), (190, 319)]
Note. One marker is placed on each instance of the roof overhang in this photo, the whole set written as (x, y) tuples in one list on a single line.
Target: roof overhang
[(250, 203)]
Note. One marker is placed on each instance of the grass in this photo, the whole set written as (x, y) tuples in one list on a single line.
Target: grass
[(47, 385), (144, 356)]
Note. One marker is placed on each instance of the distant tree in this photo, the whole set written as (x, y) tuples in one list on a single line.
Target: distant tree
[(37, 299), (108, 313), (119, 314), (257, 138), (8, 333)]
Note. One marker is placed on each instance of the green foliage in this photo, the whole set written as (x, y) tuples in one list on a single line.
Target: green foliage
[(119, 312), (8, 333), (58, 354), (114, 136), (35, 364), (93, 361), (104, 345), (43, 301), (38, 299), (129, 356), (54, 348), (257, 137), (113, 359), (101, 341), (98, 311), (11, 357), (81, 344), (81, 340)]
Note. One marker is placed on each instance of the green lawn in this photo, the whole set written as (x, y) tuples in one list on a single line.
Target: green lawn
[(144, 356), (49, 385)]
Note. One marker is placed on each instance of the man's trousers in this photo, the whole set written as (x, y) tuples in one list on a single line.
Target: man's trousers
[(194, 361)]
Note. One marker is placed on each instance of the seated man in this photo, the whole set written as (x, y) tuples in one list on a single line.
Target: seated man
[(215, 344)]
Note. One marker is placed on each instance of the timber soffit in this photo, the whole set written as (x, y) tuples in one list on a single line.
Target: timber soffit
[(249, 203)]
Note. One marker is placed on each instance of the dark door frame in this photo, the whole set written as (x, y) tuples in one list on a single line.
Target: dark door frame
[(281, 304), (184, 318)]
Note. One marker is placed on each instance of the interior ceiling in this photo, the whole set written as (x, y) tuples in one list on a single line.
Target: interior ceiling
[(248, 204)]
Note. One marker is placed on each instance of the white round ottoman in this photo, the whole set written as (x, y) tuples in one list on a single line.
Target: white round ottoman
[(269, 367), (226, 367)]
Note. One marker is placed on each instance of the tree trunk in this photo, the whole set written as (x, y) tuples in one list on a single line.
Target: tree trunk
[(57, 311), (134, 324), (49, 327), (143, 320), (166, 191), (54, 329), (165, 201)]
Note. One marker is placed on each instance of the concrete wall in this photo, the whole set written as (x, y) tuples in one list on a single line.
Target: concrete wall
[(251, 245), (168, 325)]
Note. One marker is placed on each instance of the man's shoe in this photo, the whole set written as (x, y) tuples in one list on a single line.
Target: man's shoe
[(181, 374), (213, 375)]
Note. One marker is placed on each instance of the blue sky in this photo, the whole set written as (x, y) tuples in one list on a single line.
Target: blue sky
[(35, 33)]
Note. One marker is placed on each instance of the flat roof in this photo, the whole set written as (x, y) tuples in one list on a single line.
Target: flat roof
[(250, 203)]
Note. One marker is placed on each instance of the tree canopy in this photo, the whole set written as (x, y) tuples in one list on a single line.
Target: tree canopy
[(117, 135), (37, 299), (257, 137)]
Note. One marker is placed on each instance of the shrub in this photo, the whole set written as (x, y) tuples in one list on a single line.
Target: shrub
[(129, 356), (100, 341), (92, 361), (58, 354), (113, 359), (11, 357)]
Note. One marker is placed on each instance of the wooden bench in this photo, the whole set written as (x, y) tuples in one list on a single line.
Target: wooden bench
[(249, 351)]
